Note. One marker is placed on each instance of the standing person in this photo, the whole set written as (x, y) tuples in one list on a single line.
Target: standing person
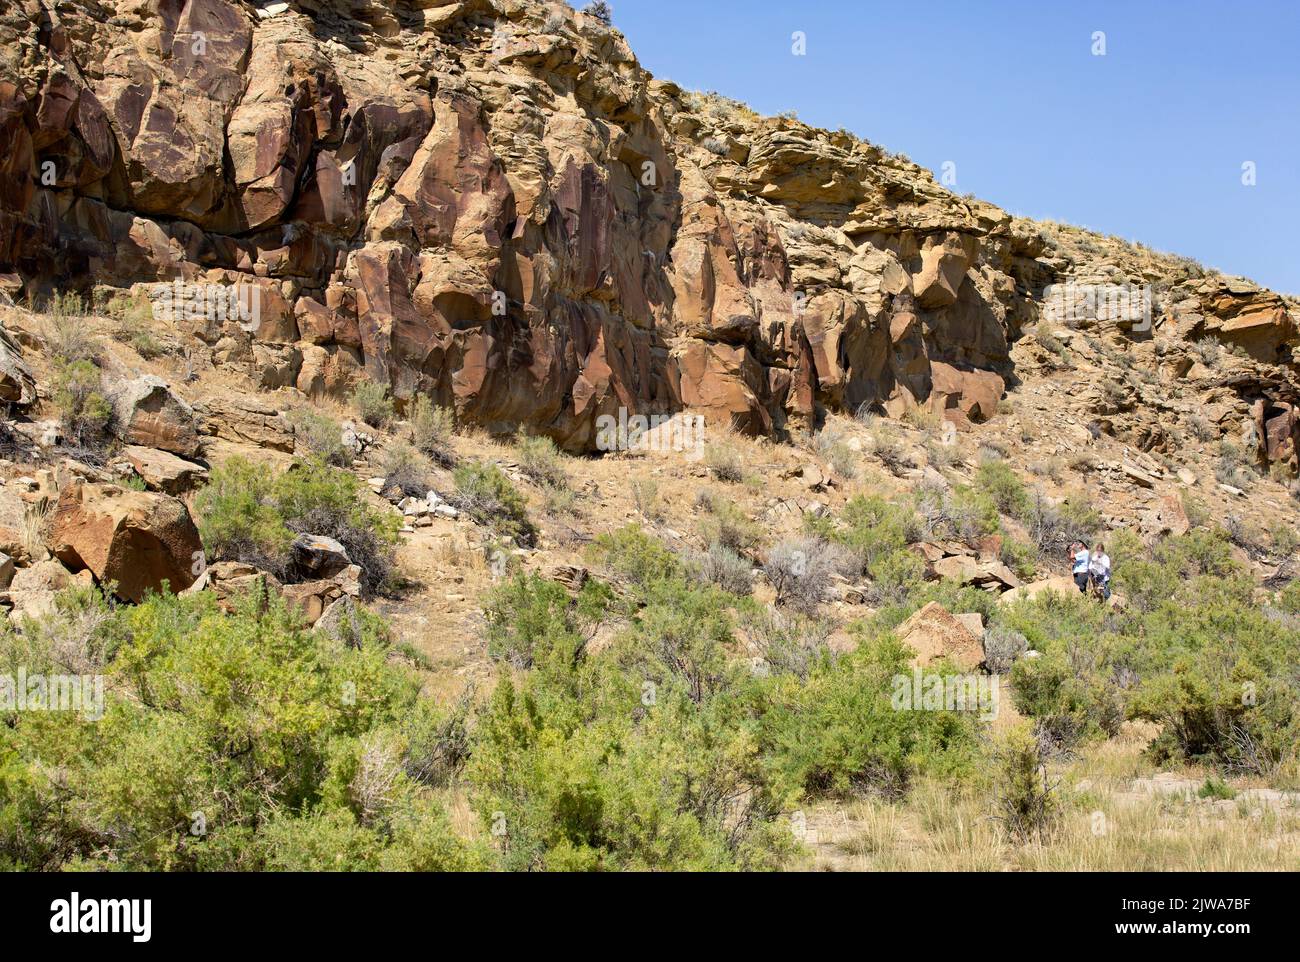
[(1079, 558), (1099, 569)]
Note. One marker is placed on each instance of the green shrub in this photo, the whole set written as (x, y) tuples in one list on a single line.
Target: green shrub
[(638, 759), (1217, 789), (485, 494), (999, 481), (405, 470), (319, 435), (245, 516), (1192, 650), (1072, 690), (839, 734), (432, 428), (895, 577), (1284, 539), (84, 413), (872, 528), (239, 520), (541, 462), (1070, 694), (1218, 674), (559, 501), (372, 403), (1149, 577), (229, 741), (973, 513), (1020, 558), (667, 751), (530, 618), (314, 498), (1028, 807), (1288, 599), (631, 555)]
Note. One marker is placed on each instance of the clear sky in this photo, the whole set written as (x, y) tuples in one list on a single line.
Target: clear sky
[(1147, 141)]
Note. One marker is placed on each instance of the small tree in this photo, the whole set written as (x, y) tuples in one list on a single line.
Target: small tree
[(602, 11)]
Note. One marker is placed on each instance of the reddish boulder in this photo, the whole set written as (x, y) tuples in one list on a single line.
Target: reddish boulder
[(972, 393), (136, 539), (944, 263), (935, 633), (148, 414)]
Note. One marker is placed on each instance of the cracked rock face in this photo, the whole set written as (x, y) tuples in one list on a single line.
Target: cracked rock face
[(491, 203)]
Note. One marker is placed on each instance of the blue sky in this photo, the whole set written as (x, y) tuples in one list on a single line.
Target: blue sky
[(1146, 142)]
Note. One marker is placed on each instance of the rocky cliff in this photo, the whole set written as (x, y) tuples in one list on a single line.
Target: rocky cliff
[(491, 202)]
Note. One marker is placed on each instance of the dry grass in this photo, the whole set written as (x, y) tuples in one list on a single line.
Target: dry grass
[(35, 520), (1104, 827)]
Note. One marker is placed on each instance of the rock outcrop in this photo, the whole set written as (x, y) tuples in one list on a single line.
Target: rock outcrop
[(491, 203), (17, 386)]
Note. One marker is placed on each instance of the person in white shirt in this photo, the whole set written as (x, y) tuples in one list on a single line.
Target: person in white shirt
[(1079, 558), (1099, 569)]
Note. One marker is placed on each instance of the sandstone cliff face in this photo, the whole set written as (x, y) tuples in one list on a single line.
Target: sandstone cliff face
[(490, 202)]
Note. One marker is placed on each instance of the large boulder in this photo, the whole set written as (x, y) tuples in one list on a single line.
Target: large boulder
[(935, 633), (247, 419), (32, 591), (138, 540), (314, 598), (316, 557), (1166, 516), (232, 581), (961, 568), (974, 394), (1061, 585), (161, 470), (149, 414)]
